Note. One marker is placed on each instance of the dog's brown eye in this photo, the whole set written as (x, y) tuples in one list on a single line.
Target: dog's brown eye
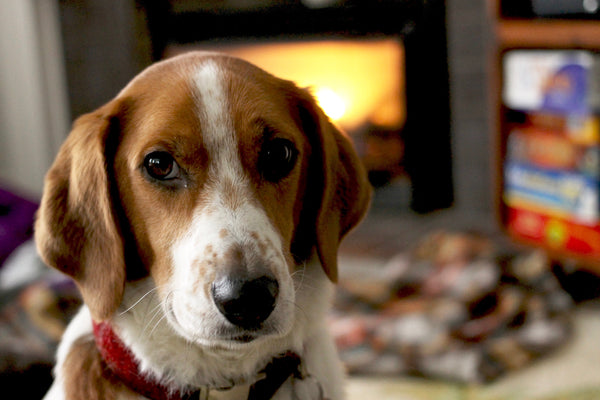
[(161, 165), (277, 159)]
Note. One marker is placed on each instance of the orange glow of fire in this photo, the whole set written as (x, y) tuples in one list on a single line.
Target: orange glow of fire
[(355, 81)]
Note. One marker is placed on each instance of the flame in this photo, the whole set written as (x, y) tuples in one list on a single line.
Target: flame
[(332, 104)]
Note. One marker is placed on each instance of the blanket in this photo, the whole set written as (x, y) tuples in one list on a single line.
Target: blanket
[(454, 307)]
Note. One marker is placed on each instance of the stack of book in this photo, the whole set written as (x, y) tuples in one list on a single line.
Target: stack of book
[(552, 158)]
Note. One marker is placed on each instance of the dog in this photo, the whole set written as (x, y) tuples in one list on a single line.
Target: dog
[(200, 214)]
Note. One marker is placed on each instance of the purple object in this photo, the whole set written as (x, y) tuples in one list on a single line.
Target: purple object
[(567, 91), (16, 222)]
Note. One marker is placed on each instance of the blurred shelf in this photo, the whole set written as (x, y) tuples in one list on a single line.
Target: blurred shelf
[(530, 33), (548, 34)]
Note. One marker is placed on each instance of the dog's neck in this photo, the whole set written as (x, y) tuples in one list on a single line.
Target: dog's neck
[(122, 363)]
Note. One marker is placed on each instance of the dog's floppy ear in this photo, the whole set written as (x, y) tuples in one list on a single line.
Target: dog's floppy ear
[(337, 187), (76, 230)]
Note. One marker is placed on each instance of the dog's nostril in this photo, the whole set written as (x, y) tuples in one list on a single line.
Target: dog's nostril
[(245, 303)]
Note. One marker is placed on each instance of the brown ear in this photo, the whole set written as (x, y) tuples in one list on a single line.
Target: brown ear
[(337, 185), (76, 230)]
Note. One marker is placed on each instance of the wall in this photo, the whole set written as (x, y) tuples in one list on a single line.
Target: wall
[(468, 37), (33, 102), (106, 44)]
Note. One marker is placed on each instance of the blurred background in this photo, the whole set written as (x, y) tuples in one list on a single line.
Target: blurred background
[(474, 275)]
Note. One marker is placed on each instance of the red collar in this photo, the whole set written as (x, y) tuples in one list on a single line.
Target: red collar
[(120, 360)]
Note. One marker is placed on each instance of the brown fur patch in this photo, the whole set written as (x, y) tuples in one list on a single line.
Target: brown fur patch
[(76, 214), (260, 244), (233, 257)]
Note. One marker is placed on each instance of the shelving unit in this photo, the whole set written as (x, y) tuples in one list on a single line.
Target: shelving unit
[(512, 33), (547, 34)]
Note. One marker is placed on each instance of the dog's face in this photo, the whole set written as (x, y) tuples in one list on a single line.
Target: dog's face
[(215, 179), (211, 188)]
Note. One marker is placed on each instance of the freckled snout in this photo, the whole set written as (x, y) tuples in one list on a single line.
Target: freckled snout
[(243, 300)]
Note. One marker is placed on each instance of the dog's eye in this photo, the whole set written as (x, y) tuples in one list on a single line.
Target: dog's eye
[(161, 165), (277, 159)]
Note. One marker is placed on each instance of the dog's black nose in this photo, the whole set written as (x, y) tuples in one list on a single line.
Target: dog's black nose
[(245, 302)]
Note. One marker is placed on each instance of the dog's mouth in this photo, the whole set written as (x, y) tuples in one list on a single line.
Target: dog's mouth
[(232, 344), (237, 336), (233, 337), (224, 337), (244, 338)]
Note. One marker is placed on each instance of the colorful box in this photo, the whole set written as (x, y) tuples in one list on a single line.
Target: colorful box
[(549, 150), (559, 193), (581, 129), (556, 233), (556, 82)]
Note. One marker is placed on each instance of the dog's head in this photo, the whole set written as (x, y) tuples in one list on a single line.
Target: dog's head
[(212, 177)]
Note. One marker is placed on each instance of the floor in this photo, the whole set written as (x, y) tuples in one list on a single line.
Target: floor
[(391, 227), (573, 373), (570, 374)]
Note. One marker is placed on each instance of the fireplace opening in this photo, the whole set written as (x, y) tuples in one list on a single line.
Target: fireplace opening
[(359, 84)]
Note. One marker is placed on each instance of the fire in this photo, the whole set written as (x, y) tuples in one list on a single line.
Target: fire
[(332, 104), (355, 81)]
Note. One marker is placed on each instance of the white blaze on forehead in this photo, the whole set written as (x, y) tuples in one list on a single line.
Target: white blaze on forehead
[(227, 179), (217, 128)]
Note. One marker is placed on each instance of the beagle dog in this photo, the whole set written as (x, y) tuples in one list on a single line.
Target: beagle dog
[(200, 213)]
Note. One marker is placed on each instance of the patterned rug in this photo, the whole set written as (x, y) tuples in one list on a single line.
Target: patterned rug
[(452, 307)]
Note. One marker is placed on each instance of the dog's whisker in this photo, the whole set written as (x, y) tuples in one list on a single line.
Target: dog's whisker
[(146, 330), (139, 300), (156, 316), (304, 277), (164, 308), (154, 311), (157, 311), (302, 273), (306, 284), (157, 324), (297, 307)]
